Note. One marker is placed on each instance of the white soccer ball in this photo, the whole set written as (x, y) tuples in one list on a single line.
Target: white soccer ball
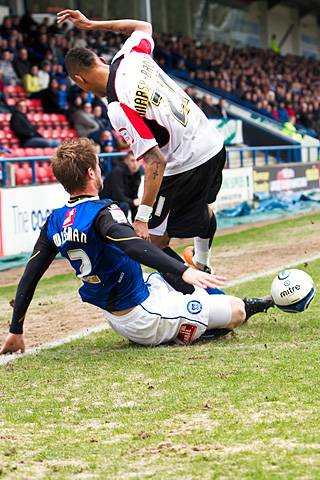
[(293, 290)]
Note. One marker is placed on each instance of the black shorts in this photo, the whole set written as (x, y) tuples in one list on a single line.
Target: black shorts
[(181, 207)]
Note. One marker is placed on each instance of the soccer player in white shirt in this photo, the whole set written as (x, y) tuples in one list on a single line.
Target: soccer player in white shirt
[(183, 153)]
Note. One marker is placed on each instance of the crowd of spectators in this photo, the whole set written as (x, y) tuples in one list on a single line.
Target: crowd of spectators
[(277, 86), (32, 55)]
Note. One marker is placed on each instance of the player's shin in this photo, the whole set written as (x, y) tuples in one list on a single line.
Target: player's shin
[(174, 280), (202, 246)]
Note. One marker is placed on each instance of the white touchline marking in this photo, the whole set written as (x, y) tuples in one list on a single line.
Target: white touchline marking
[(100, 328), (273, 271), (55, 343)]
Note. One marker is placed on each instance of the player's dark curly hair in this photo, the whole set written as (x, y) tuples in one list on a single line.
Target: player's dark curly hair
[(78, 59), (71, 162)]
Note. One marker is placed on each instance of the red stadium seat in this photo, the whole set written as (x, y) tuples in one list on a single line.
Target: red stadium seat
[(18, 152), (22, 177), (42, 174), (36, 104), (49, 151), (50, 174), (62, 120), (11, 102)]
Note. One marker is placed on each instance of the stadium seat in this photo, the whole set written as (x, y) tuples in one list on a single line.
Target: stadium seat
[(11, 102), (22, 177), (36, 104), (49, 151), (42, 174), (18, 152), (50, 174), (62, 120)]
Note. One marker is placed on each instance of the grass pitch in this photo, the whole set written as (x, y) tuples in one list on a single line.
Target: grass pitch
[(245, 407)]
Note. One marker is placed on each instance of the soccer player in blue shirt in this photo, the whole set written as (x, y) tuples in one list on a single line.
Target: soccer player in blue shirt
[(106, 253)]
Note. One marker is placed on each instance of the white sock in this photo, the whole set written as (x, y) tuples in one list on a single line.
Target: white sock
[(201, 251)]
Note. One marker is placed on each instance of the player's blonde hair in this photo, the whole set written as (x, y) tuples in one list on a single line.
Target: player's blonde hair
[(71, 162)]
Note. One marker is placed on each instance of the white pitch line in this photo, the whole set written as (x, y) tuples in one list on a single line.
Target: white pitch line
[(100, 328), (273, 271), (56, 343)]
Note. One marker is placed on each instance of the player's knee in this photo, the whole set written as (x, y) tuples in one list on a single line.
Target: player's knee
[(160, 241), (238, 312)]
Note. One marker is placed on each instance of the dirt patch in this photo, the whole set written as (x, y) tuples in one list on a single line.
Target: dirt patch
[(66, 314)]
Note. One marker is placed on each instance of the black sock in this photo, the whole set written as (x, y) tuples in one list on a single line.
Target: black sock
[(175, 280)]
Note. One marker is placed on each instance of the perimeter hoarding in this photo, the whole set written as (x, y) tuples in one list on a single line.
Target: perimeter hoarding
[(23, 211), (293, 177)]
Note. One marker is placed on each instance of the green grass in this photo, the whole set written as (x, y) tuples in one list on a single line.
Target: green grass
[(245, 407)]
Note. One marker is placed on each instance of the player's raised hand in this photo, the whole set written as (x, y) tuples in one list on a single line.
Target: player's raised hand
[(141, 229), (13, 343), (76, 17), (202, 279)]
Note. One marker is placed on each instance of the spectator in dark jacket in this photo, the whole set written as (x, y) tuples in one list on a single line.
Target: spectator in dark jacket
[(122, 185), (51, 98), (21, 64), (26, 131)]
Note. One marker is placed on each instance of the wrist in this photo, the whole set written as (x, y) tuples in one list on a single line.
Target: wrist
[(144, 213)]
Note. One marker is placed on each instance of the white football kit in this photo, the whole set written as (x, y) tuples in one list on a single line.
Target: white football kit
[(168, 315), (148, 108)]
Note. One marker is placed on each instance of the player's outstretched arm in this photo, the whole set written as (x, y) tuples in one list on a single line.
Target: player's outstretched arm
[(155, 164), (202, 279), (42, 256), (13, 343), (83, 23)]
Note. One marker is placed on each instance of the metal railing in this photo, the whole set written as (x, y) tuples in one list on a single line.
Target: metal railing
[(4, 162), (248, 156), (236, 157)]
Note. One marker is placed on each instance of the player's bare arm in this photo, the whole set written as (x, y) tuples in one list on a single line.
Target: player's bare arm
[(155, 164), (83, 23)]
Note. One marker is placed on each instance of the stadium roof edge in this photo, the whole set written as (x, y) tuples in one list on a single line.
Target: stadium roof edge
[(305, 8)]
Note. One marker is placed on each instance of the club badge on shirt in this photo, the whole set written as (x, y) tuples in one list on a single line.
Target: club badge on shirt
[(117, 214)]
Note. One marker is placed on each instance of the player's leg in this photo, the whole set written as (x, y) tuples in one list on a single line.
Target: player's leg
[(199, 255)]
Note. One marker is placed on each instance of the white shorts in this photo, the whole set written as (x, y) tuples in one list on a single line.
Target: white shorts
[(167, 315)]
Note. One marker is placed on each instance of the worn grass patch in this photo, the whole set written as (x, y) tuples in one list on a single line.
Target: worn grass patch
[(243, 407)]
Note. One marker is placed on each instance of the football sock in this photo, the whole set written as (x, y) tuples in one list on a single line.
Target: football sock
[(175, 280), (257, 305), (202, 246)]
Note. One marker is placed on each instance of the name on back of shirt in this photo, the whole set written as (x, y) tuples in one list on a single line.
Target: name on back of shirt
[(69, 235)]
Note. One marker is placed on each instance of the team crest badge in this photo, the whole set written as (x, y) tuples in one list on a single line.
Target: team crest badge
[(194, 307), (126, 136), (69, 218)]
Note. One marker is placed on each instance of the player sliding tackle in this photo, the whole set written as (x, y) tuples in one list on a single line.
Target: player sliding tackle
[(106, 254), (183, 153)]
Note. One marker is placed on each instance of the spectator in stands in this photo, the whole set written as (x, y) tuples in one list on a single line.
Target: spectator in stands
[(31, 83), (21, 63), (289, 128), (44, 74), (9, 75), (26, 131), (222, 108), (122, 185), (209, 108), (282, 113), (103, 124), (51, 98), (63, 96), (6, 28), (84, 121), (75, 104), (274, 44), (106, 141)]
